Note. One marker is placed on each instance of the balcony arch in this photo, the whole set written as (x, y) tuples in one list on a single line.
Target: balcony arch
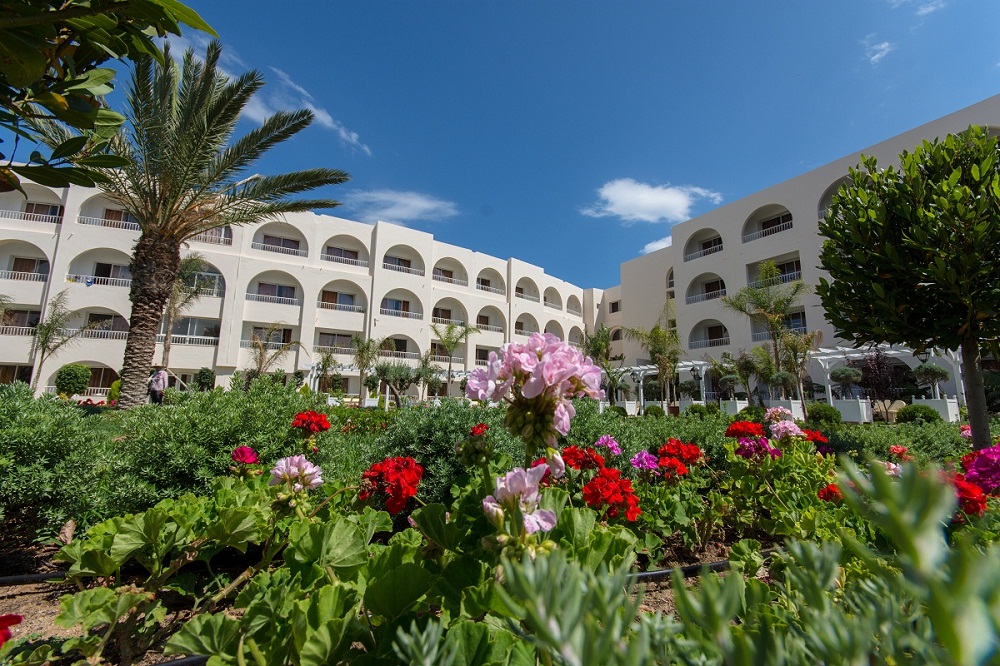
[(401, 303), (101, 211), (450, 271), (708, 333), (102, 376), (106, 323), (702, 243), (552, 299), (827, 198), (399, 346), (449, 311), (670, 284), (23, 261), (491, 282), (705, 287), (491, 320), (525, 325), (280, 238), (789, 266), (575, 336), (277, 287), (342, 295), (346, 249), (616, 335), (573, 306), (38, 205), (101, 266), (218, 236), (555, 329), (403, 259), (210, 281), (766, 221), (527, 289)]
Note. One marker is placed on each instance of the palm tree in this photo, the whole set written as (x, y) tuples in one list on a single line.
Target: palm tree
[(5, 303), (767, 302), (266, 352), (186, 291), (450, 337), (796, 350), (52, 333), (664, 348), (366, 355), (186, 175), (597, 346)]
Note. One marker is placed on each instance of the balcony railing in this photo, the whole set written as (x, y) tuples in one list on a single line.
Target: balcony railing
[(482, 361), (217, 291), (392, 353), (521, 331), (442, 320), (278, 248), (214, 239), (17, 330), (343, 307), (346, 351), (763, 233), (552, 304), (450, 280), (92, 391), (27, 277), (762, 336), (712, 342), (252, 344), (703, 253), (261, 298), (363, 263), (111, 224), (575, 313), (527, 297), (402, 269), (30, 217), (707, 296), (445, 359), (781, 279), (102, 281), (490, 327), (99, 334), (192, 340), (492, 290), (401, 313)]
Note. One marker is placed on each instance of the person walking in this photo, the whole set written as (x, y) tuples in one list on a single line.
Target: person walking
[(157, 384)]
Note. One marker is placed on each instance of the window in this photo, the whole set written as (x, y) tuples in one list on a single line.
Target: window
[(483, 320), (713, 286), (112, 271), (398, 344), (615, 306), (107, 322), (207, 281), (716, 332), (482, 354), (116, 215), (278, 241), (438, 350), (341, 340), (483, 283), (397, 261), (444, 273), (710, 243), (441, 313), (519, 327), (789, 267), (219, 233), (277, 336), (795, 320), (766, 225), (21, 318), (102, 377), (338, 297), (278, 290), (38, 208), (395, 304), (341, 253), (15, 373), (616, 335), (519, 291), (194, 326), (670, 279), (30, 265)]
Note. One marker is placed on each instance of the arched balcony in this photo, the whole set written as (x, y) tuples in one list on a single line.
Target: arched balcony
[(280, 238), (99, 211), (275, 288), (346, 249), (101, 267), (670, 284), (491, 320), (491, 282), (403, 259), (702, 243), (575, 336), (401, 303), (766, 221), (552, 299), (100, 323), (209, 281), (789, 268), (38, 205), (525, 325), (708, 333), (102, 377), (827, 198), (449, 311), (218, 236), (555, 329), (573, 306), (21, 261), (705, 287), (342, 296), (450, 271), (400, 346), (527, 289)]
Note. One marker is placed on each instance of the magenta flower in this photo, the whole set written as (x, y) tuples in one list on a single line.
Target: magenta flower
[(984, 469), (609, 442), (645, 460), (755, 448), (297, 472), (244, 455)]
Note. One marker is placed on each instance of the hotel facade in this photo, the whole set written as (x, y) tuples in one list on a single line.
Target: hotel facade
[(317, 280)]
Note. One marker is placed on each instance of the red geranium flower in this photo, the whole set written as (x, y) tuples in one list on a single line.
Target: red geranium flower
[(970, 458), (397, 478), (311, 422), (5, 622), (830, 493), (672, 467), (609, 492), (688, 454), (479, 430), (578, 458), (745, 429), (244, 455), (815, 436), (547, 478), (971, 498)]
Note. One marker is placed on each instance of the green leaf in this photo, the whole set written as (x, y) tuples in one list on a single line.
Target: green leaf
[(209, 635), (473, 644), (575, 525), (21, 62), (102, 161), (69, 147), (397, 591), (236, 526), (607, 548), (432, 521), (339, 544), (96, 607)]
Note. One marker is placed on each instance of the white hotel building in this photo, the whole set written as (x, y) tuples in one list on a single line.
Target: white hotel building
[(323, 278)]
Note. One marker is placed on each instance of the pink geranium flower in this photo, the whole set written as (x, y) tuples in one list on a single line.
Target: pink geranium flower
[(297, 472)]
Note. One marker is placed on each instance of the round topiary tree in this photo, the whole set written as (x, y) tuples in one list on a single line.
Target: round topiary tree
[(928, 374), (845, 378), (72, 379), (823, 414), (205, 379), (654, 411), (913, 413)]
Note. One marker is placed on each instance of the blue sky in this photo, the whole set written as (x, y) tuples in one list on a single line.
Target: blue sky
[(573, 133)]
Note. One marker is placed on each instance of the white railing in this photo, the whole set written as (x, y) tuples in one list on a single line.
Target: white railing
[(762, 336), (392, 353), (784, 226), (707, 296), (213, 238), (575, 313), (347, 351), (521, 331), (442, 320), (490, 327), (482, 361), (492, 290), (450, 280), (575, 345), (552, 304), (192, 340), (401, 313), (445, 359), (261, 298), (27, 277), (98, 334), (111, 224), (102, 281), (402, 269), (781, 279), (278, 248), (713, 342), (30, 217), (703, 253), (252, 344), (363, 263), (527, 297), (212, 292), (17, 330), (343, 307)]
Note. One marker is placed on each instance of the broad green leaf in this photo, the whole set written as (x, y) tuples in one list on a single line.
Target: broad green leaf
[(339, 544), (397, 591), (432, 521), (473, 644), (575, 525), (96, 607), (210, 635)]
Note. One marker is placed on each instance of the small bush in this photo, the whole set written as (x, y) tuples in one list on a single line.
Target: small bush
[(823, 414), (205, 379), (713, 408), (616, 410), (115, 390), (751, 413), (72, 379), (654, 411), (701, 411), (913, 413)]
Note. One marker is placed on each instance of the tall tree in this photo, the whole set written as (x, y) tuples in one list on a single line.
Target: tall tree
[(597, 346), (267, 351), (796, 348), (398, 376), (366, 355), (53, 333), (186, 176), (913, 255), (768, 302), (663, 345), (450, 337), (186, 292)]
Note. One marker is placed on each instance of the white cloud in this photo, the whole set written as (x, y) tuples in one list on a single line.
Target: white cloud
[(632, 201), (396, 206), (875, 50), (657, 245), (930, 7)]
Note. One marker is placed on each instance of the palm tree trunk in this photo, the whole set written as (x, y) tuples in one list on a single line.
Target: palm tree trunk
[(447, 385), (154, 267), (975, 394), (167, 338)]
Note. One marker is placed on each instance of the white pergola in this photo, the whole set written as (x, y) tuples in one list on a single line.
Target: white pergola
[(697, 369)]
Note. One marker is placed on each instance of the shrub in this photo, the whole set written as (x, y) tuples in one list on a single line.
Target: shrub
[(616, 410), (115, 390), (712, 407), (823, 414), (701, 411), (72, 379), (911, 413), (205, 379), (751, 413), (654, 411)]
